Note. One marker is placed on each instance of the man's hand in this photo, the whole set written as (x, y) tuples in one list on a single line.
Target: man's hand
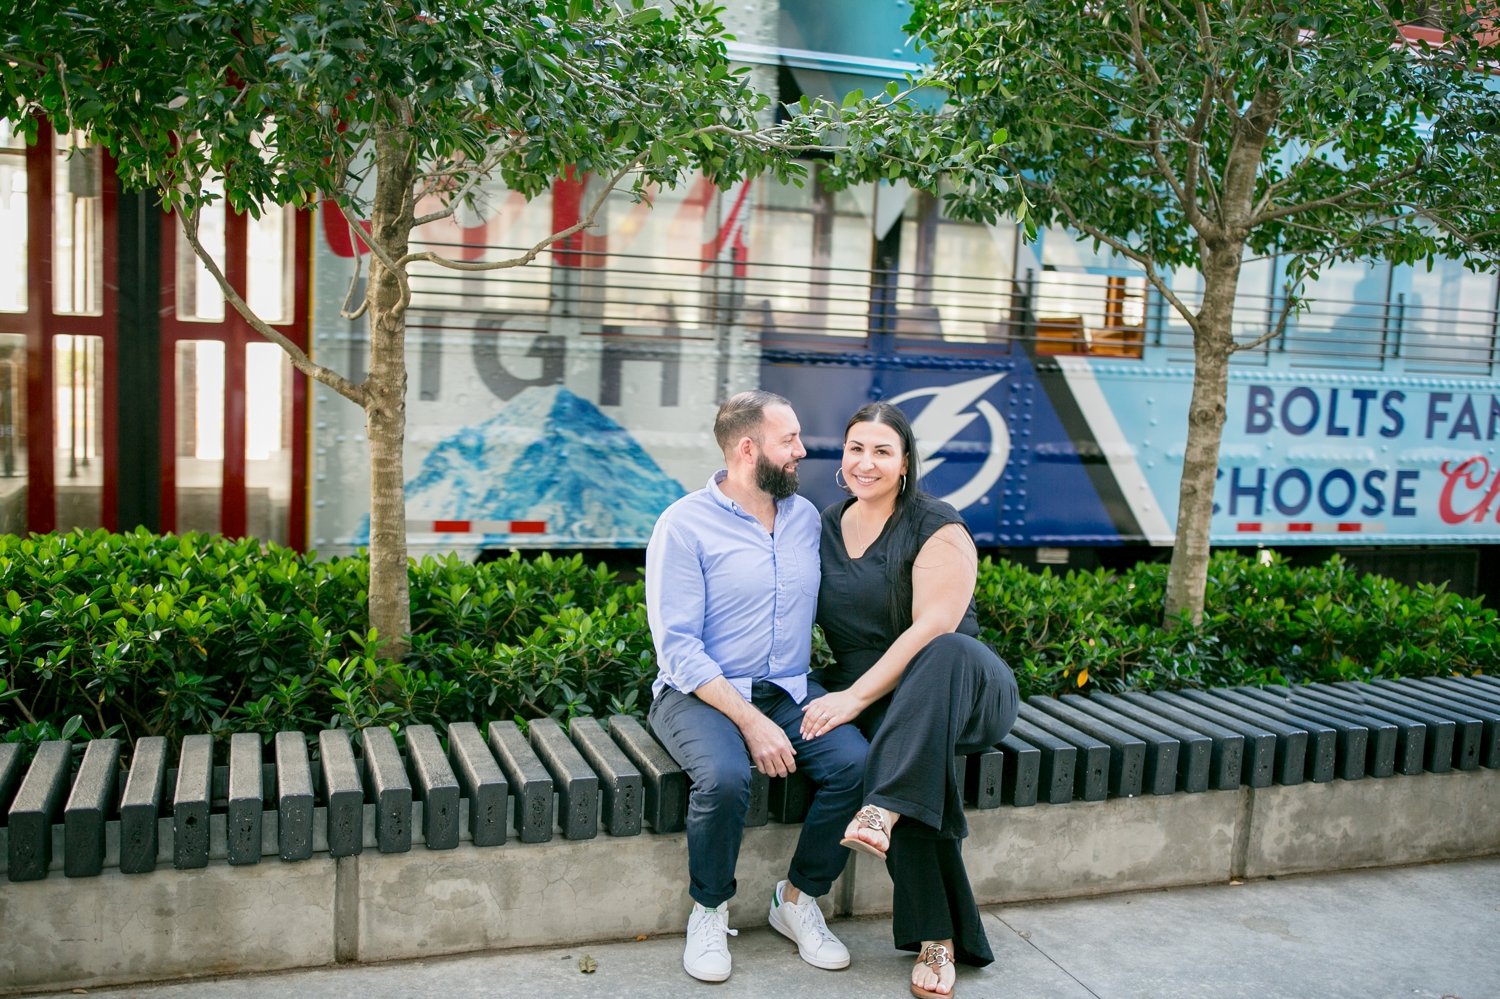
[(769, 747)]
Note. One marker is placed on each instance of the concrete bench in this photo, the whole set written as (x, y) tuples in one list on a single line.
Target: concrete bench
[(258, 855)]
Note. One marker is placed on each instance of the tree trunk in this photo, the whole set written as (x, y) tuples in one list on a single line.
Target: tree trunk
[(1212, 345), (1223, 247), (391, 217)]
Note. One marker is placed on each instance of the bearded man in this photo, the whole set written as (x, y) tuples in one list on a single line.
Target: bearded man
[(731, 592)]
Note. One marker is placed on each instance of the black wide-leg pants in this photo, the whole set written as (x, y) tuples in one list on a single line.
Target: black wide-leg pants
[(955, 697)]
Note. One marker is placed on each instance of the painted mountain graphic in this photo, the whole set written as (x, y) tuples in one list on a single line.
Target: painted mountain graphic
[(548, 456)]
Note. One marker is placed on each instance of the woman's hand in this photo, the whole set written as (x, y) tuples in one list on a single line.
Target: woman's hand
[(828, 712)]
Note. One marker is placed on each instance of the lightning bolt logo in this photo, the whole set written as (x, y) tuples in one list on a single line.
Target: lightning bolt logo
[(951, 409)]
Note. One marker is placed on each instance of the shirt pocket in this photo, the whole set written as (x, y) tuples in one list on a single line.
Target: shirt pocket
[(802, 569)]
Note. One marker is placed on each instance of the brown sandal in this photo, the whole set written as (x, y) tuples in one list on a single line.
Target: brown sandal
[(868, 817), (936, 957)]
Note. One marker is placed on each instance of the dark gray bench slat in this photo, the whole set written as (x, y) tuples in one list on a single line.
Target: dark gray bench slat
[(344, 794), (576, 783), (1291, 741), (1383, 738), (1172, 762), (1468, 731), (90, 805), (1058, 762), (1473, 683), (983, 778), (294, 797), (1091, 770), (481, 780), (1320, 759), (1022, 772), (388, 785), (528, 779), (1436, 735), (246, 801), (191, 800), (37, 805), (1127, 754), (758, 811), (141, 806), (790, 797), (1258, 767), (1481, 694), (621, 789), (1192, 752), (10, 776), (1408, 738), (1351, 739), (1377, 739), (436, 786), (665, 782), (1227, 761), (1489, 720)]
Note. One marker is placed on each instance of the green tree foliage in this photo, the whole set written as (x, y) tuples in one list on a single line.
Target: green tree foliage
[(1192, 134), (376, 108)]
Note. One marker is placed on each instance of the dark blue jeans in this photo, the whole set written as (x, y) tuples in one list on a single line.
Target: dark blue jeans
[(707, 745)]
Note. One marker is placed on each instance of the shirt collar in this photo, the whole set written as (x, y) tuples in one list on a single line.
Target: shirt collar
[(724, 501)]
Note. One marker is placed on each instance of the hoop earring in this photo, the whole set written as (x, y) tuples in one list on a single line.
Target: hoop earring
[(903, 483), (837, 472)]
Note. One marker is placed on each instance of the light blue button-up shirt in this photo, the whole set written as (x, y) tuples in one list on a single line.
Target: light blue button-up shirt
[(725, 598)]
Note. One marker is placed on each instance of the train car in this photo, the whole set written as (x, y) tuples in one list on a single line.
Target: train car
[(563, 404)]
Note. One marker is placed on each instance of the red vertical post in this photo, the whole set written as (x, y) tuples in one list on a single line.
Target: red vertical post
[(232, 519), (41, 503)]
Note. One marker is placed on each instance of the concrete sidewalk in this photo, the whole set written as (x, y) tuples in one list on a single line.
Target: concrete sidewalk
[(1428, 931)]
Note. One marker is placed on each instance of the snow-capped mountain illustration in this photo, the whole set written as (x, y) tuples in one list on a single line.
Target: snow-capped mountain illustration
[(548, 456)]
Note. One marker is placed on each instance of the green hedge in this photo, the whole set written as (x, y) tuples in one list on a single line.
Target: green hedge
[(140, 634)]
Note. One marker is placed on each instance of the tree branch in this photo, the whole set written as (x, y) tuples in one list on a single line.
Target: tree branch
[(1333, 200), (1125, 250), (585, 222), (1276, 330), (300, 360)]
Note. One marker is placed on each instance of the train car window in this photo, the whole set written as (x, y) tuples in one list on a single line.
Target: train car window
[(199, 433), (496, 224), (13, 273), (809, 257), (77, 228), (78, 426), (198, 296), (652, 264), (1088, 300), (12, 433), (1447, 321), (268, 286), (955, 280), (1347, 321), (268, 441)]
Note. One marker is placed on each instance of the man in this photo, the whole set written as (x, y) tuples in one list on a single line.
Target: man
[(731, 591)]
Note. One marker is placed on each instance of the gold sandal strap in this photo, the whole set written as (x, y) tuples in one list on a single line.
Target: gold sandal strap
[(871, 817), (935, 956)]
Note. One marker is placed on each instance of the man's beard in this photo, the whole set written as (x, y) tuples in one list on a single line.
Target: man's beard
[(773, 479)]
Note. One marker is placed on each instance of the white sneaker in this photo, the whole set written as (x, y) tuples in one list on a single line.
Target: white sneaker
[(706, 953), (802, 923)]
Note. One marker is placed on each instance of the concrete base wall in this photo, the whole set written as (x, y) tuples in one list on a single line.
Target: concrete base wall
[(113, 929)]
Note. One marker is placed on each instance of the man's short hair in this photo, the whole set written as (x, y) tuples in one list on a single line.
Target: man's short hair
[(741, 415)]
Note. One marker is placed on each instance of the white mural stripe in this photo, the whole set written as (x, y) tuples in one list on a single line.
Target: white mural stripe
[(1117, 450)]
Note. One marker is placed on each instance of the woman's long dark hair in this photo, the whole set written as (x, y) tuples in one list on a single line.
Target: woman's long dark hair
[(902, 538)]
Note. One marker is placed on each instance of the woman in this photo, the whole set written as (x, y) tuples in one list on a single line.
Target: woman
[(896, 605)]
